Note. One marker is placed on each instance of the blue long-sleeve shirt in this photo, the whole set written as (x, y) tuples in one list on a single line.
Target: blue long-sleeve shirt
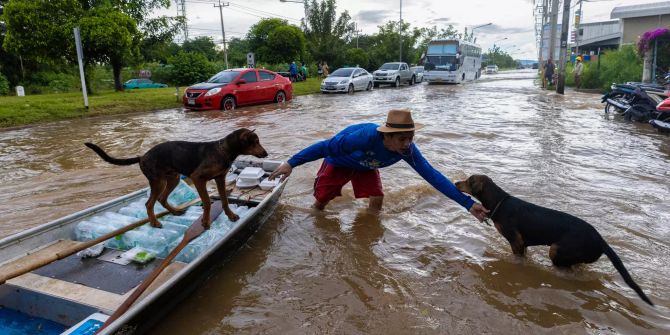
[(361, 147)]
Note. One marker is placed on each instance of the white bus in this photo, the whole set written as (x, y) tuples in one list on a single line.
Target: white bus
[(452, 61)]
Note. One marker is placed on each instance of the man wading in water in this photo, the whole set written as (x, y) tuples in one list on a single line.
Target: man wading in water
[(356, 153)]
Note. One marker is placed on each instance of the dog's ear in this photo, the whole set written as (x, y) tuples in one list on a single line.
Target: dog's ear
[(253, 130), (476, 184)]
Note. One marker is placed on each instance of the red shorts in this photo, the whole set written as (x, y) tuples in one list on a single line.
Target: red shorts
[(330, 179)]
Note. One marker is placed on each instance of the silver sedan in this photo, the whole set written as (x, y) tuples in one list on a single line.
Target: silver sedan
[(347, 79)]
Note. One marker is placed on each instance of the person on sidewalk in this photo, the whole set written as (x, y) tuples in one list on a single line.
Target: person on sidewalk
[(358, 152), (548, 74), (577, 72)]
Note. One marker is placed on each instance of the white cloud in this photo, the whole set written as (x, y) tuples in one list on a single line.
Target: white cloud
[(511, 19)]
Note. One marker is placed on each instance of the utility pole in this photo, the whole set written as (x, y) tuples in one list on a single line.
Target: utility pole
[(552, 34), (223, 31), (400, 31), (560, 87), (543, 22), (357, 32), (578, 20), (181, 11)]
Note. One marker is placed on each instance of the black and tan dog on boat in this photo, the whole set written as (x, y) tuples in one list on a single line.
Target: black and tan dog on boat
[(201, 161), (571, 239)]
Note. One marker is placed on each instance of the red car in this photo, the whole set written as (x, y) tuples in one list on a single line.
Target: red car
[(238, 87)]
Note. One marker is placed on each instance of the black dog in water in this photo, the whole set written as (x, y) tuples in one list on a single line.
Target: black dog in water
[(201, 161), (523, 224)]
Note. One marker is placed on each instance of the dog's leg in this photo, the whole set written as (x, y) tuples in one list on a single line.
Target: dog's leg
[(201, 187), (172, 182), (157, 187), (516, 241), (221, 186)]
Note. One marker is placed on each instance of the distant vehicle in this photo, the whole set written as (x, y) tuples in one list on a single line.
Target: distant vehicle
[(394, 74), (142, 83), (535, 66), (237, 87), (418, 73), (491, 69), (347, 79), (520, 67), (452, 61)]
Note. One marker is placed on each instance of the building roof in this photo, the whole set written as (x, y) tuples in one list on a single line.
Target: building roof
[(648, 9)]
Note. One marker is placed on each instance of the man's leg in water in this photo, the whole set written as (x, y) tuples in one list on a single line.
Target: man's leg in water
[(328, 184)]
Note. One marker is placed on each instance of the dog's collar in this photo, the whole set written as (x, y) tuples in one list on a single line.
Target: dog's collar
[(495, 210)]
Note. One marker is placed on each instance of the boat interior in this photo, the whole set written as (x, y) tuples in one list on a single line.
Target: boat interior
[(61, 296)]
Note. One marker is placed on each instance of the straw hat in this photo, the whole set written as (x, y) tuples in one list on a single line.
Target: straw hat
[(399, 120)]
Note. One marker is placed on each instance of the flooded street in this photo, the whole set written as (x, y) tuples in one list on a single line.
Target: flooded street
[(423, 266)]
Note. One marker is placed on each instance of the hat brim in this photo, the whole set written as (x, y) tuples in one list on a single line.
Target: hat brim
[(385, 129)]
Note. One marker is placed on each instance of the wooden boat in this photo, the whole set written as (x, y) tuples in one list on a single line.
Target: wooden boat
[(75, 295)]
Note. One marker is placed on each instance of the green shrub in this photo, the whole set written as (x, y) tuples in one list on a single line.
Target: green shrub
[(189, 68), (619, 66), (4, 85)]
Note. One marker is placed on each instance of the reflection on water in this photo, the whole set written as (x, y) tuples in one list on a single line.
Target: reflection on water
[(423, 265)]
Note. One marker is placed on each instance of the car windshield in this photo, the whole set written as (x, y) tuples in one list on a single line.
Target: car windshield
[(390, 66), (491, 66), (342, 73), (224, 77)]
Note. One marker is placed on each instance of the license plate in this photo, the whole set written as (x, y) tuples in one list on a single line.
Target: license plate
[(191, 101)]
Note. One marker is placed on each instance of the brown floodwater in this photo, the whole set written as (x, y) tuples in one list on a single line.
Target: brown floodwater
[(424, 265)]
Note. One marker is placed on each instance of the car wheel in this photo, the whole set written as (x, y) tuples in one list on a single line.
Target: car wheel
[(351, 89), (412, 81), (280, 97), (375, 85), (369, 86), (228, 103), (463, 77), (397, 82)]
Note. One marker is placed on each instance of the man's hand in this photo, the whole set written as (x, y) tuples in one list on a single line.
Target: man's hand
[(479, 212), (284, 169)]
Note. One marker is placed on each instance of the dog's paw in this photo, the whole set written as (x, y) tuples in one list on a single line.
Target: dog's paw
[(156, 224), (233, 217), (205, 223), (178, 212)]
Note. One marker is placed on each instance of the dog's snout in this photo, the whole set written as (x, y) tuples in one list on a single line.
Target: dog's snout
[(263, 154)]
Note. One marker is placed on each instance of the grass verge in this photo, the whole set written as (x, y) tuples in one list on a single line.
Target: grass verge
[(20, 111)]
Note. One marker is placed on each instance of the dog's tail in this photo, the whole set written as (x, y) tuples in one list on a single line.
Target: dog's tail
[(616, 261), (110, 159)]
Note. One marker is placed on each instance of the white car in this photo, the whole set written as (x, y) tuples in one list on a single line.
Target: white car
[(418, 73), (347, 79), (491, 69)]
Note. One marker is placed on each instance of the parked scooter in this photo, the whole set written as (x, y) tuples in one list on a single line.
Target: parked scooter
[(635, 101), (662, 121)]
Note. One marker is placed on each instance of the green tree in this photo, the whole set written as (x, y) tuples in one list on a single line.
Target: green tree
[(111, 37), (287, 44), (201, 44), (237, 52), (259, 35), (189, 68), (357, 57), (386, 46), (327, 34), (4, 85)]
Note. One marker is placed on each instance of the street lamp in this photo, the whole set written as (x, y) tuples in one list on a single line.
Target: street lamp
[(477, 27), (496, 41)]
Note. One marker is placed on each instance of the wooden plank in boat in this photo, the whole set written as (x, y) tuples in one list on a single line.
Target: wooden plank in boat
[(37, 256)]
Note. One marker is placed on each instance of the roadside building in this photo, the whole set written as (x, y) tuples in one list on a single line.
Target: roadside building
[(637, 19), (597, 35)]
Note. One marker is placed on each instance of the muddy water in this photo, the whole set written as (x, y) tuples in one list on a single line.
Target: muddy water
[(424, 266)]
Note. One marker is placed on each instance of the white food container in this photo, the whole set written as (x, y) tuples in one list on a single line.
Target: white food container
[(269, 184)]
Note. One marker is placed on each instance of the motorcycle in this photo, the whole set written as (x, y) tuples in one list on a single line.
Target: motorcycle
[(636, 101), (662, 120)]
